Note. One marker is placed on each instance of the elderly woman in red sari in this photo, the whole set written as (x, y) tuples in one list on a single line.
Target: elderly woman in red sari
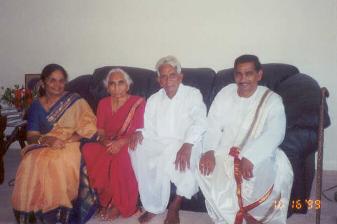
[(47, 179), (108, 163)]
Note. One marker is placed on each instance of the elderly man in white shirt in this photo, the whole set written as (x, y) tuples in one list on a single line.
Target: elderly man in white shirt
[(244, 176), (169, 146)]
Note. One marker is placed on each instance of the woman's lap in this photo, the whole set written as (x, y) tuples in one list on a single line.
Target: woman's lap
[(112, 177), (47, 178)]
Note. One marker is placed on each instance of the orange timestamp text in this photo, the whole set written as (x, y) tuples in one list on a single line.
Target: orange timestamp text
[(299, 204)]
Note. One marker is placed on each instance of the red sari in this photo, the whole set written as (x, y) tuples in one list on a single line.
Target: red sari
[(111, 175)]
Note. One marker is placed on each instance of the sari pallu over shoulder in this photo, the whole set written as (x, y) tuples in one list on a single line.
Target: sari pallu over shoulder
[(53, 115), (126, 125)]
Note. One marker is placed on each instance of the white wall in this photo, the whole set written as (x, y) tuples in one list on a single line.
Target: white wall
[(82, 35)]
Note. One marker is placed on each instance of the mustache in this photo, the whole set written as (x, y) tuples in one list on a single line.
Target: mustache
[(242, 83)]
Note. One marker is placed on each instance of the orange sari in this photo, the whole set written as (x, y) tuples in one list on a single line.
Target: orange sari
[(47, 179)]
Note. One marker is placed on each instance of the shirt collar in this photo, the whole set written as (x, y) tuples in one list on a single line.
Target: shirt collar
[(177, 95)]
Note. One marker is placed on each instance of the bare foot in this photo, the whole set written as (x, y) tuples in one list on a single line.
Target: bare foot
[(146, 217), (112, 213), (101, 212), (172, 217), (109, 213)]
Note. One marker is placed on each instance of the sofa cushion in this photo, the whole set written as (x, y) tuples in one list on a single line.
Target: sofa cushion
[(201, 78)]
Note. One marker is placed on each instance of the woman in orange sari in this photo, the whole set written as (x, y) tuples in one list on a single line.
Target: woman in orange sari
[(108, 163), (47, 179)]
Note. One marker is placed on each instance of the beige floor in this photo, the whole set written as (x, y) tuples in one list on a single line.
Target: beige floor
[(329, 209)]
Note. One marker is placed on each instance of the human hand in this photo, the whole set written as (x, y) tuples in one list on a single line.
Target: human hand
[(183, 157), (207, 163), (113, 147), (105, 141), (53, 142), (74, 138), (135, 139), (246, 168)]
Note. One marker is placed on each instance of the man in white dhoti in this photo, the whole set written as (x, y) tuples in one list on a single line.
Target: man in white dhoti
[(243, 175), (170, 143)]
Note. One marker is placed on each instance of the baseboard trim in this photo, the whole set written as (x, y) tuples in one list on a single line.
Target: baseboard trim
[(330, 165)]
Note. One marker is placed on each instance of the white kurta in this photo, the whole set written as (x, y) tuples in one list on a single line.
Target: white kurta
[(168, 124), (229, 120)]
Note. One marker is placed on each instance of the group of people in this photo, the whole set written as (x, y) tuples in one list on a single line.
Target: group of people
[(135, 148)]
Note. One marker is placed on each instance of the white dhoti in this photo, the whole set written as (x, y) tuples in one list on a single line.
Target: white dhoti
[(153, 163), (168, 124), (220, 187), (256, 127)]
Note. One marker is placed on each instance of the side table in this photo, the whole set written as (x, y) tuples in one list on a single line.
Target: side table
[(17, 134)]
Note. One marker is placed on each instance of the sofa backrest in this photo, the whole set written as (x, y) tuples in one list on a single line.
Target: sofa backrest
[(145, 83), (202, 79), (80, 85), (300, 93)]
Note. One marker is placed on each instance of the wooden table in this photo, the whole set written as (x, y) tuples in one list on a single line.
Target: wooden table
[(18, 134)]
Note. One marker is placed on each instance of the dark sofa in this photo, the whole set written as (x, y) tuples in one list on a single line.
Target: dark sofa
[(300, 94)]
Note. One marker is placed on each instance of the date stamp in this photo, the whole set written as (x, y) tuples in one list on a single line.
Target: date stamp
[(299, 204)]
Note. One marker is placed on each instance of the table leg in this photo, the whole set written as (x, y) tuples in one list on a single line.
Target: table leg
[(22, 136), (3, 122), (2, 169)]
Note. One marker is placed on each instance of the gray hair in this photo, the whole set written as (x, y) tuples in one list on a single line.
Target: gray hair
[(117, 70), (169, 60)]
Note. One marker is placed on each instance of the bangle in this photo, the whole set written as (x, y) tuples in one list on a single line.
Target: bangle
[(39, 139)]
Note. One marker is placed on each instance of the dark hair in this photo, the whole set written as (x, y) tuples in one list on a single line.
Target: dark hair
[(47, 71), (248, 58)]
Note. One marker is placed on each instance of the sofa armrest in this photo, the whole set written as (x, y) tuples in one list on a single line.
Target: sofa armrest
[(301, 96)]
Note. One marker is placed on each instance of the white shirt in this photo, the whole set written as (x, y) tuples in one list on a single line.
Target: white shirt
[(230, 117), (183, 117)]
